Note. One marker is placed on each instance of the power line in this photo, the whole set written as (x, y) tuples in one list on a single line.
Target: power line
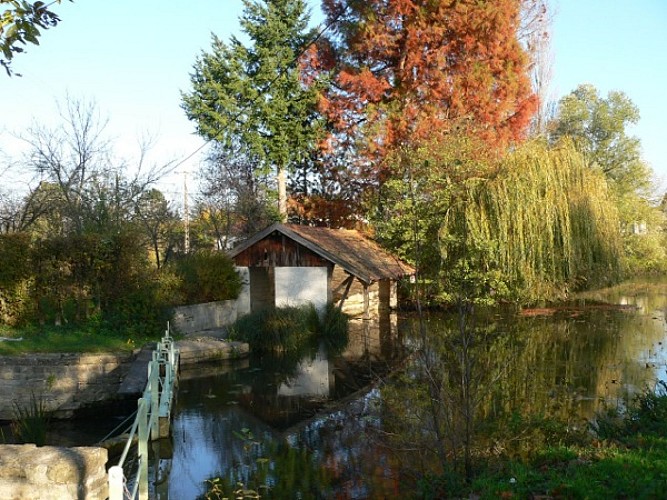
[(281, 73)]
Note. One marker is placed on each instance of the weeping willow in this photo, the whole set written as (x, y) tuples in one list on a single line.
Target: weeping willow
[(547, 222)]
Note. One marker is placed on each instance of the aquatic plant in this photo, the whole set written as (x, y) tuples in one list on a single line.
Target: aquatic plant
[(31, 421), (288, 329)]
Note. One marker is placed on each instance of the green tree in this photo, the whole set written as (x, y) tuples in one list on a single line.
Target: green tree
[(20, 24), (158, 221), (252, 99), (598, 126)]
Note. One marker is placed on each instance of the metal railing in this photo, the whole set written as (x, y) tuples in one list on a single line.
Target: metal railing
[(152, 421)]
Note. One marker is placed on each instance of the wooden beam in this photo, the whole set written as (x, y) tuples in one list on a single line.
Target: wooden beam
[(348, 283)]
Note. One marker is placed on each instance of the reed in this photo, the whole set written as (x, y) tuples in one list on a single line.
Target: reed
[(31, 421)]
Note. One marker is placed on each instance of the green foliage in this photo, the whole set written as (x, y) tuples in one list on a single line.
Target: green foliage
[(251, 99), (20, 24), (97, 281), (545, 221), (30, 422), (631, 462), (333, 327), (598, 127), (282, 329), (206, 276), (424, 182), (14, 258), (288, 329), (15, 275), (646, 414)]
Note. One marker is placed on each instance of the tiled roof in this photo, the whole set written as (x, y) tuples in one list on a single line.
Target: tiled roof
[(358, 255)]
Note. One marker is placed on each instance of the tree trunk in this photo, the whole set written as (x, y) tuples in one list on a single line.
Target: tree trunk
[(282, 193)]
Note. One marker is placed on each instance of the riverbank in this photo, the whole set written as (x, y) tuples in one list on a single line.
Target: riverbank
[(619, 456), (68, 382)]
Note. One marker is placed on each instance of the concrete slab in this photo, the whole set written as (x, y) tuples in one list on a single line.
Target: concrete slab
[(201, 349), (193, 349), (137, 376)]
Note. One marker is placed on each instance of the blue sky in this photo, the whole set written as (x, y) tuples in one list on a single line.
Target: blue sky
[(134, 57)]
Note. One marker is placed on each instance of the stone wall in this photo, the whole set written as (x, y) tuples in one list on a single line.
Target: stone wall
[(206, 316), (51, 473), (63, 382), (214, 315)]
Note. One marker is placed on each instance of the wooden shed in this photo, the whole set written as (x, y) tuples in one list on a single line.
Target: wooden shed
[(288, 264)]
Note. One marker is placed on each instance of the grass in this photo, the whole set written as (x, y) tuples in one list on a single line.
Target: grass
[(635, 469), (82, 338), (624, 456)]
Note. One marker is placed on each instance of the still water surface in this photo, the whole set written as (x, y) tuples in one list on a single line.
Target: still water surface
[(298, 428)]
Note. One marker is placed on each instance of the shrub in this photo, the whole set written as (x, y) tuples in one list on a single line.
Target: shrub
[(279, 330), (333, 327), (286, 329), (15, 276), (646, 414), (206, 276)]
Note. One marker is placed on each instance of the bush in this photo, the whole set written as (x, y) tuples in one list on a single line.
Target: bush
[(15, 273), (278, 330), (646, 414), (206, 276), (286, 329)]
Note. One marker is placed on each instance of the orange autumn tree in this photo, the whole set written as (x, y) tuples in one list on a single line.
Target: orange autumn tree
[(413, 70)]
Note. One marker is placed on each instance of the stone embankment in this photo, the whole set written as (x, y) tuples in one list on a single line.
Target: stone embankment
[(50, 473), (61, 382), (64, 383), (207, 347)]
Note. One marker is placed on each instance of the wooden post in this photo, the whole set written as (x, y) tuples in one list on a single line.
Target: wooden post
[(165, 402), (366, 301), (348, 283)]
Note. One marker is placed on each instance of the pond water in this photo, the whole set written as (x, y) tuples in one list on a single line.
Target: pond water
[(300, 427), (311, 425)]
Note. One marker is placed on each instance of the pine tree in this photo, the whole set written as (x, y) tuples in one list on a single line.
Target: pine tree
[(252, 99)]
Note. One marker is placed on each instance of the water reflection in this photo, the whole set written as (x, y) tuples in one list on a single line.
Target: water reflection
[(264, 423), (276, 422)]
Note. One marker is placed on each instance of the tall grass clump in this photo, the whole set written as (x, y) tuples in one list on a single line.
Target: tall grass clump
[(31, 421), (645, 414), (333, 327), (286, 329)]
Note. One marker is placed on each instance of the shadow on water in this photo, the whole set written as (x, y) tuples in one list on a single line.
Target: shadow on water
[(311, 425)]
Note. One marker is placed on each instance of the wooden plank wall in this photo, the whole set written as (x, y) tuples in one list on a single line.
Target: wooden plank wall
[(277, 250)]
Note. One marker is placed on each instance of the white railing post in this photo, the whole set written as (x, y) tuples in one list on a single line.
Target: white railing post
[(155, 401), (154, 384), (142, 476), (116, 483)]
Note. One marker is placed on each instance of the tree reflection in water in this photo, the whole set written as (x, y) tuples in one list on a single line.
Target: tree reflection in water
[(281, 423)]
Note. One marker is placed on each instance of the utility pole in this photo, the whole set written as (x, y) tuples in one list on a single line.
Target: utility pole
[(186, 214)]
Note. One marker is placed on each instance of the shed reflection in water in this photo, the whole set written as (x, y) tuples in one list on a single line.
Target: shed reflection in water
[(266, 408), (275, 422)]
